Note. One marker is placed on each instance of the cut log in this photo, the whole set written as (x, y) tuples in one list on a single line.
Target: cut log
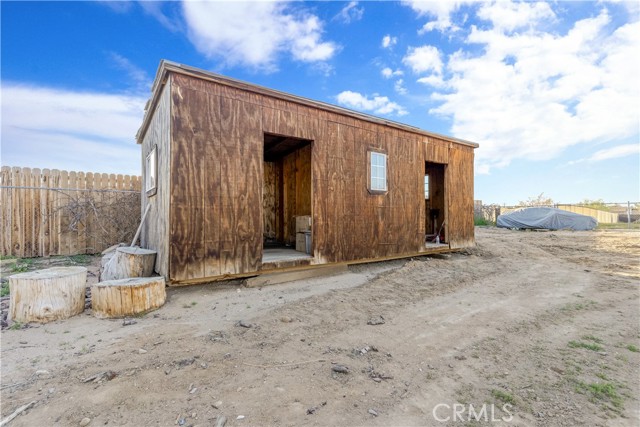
[(127, 261), (47, 295), (126, 297)]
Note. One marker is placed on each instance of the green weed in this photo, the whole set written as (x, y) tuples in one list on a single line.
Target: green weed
[(633, 348), (503, 396), (4, 290), (588, 346), (80, 259), (16, 326), (25, 264), (601, 391), (482, 222), (592, 338), (578, 305)]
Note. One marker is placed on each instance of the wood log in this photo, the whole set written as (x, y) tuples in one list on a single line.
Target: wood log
[(127, 261), (126, 297), (46, 295)]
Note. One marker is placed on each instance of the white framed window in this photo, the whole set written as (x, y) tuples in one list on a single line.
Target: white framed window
[(426, 187), (151, 172), (377, 171)]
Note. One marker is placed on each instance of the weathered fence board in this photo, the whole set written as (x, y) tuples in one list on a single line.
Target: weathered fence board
[(51, 212)]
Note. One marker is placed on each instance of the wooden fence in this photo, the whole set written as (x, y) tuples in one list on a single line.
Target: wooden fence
[(603, 217), (51, 212)]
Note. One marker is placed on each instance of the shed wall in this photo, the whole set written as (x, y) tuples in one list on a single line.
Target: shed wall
[(216, 183), (155, 231), (218, 173), (459, 178)]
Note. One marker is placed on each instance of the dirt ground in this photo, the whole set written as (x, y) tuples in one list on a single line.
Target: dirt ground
[(537, 328)]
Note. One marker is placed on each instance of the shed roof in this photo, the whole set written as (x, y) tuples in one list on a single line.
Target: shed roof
[(174, 67)]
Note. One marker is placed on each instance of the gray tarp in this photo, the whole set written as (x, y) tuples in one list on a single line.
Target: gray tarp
[(547, 218)]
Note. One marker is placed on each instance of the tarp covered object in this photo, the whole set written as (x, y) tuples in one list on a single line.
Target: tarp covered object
[(546, 218)]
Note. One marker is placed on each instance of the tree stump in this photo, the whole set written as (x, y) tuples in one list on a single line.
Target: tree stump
[(127, 261), (46, 295), (125, 297)]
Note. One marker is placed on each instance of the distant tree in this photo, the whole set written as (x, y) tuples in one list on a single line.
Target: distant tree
[(540, 200), (594, 204)]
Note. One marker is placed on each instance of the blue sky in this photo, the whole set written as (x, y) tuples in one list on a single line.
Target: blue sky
[(550, 91)]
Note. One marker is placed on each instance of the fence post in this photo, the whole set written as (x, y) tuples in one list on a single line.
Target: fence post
[(628, 214)]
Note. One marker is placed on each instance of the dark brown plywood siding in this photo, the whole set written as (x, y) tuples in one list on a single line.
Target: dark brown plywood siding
[(241, 171), (155, 230), (225, 199), (217, 185), (350, 222), (460, 197), (249, 196), (192, 129), (303, 181), (340, 193), (296, 197), (269, 199), (436, 150)]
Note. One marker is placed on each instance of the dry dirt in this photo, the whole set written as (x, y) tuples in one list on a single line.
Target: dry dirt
[(545, 321)]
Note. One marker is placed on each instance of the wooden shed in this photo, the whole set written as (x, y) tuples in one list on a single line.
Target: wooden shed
[(235, 174)]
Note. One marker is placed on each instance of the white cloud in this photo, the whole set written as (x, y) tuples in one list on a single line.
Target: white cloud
[(433, 80), (389, 41), (507, 15), (137, 75), (424, 58), (615, 152), (387, 73), (376, 104), (441, 10), (82, 131), (350, 13), (399, 87), (117, 6), (255, 33), (154, 8), (531, 93)]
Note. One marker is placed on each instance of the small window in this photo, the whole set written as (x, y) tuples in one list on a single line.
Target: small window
[(426, 187), (378, 171), (151, 172)]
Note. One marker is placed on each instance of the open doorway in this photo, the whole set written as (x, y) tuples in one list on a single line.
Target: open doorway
[(435, 205), (286, 198)]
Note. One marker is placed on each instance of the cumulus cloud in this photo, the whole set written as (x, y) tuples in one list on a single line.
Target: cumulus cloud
[(350, 13), (440, 10), (423, 58), (387, 73), (399, 87), (376, 104), (255, 33), (388, 41), (45, 127), (507, 15), (524, 89)]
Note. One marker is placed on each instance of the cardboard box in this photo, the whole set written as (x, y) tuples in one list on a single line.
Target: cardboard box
[(303, 223), (301, 245)]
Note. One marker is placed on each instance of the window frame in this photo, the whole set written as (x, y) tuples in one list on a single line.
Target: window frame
[(151, 172), (426, 186), (370, 167)]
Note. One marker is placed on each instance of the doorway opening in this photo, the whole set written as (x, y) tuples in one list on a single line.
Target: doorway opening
[(435, 205), (286, 200)]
